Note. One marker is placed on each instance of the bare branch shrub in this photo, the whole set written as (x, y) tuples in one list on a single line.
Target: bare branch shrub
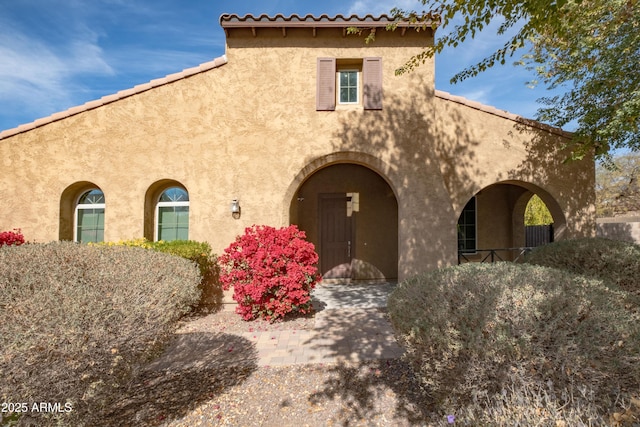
[(614, 261), (75, 320), (197, 252), (478, 334)]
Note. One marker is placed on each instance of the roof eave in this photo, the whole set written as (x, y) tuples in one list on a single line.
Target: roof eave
[(230, 21), (108, 99)]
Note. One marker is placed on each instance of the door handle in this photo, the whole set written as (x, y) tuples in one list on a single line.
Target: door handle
[(349, 249)]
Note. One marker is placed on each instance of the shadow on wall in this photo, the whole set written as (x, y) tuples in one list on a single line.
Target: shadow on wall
[(626, 230), (422, 166), (548, 165)]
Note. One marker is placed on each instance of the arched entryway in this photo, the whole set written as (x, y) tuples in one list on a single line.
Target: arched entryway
[(493, 219), (350, 213)]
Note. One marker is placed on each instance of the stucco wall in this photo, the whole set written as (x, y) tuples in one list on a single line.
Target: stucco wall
[(248, 130), (619, 228)]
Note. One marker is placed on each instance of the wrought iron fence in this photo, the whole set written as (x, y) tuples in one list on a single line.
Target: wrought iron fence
[(538, 235), (494, 255)]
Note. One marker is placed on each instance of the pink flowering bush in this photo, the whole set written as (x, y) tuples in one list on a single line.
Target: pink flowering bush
[(11, 238), (272, 271)]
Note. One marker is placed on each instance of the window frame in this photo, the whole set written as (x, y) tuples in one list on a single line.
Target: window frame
[(370, 84), (86, 207), (339, 87), (174, 204), (462, 216)]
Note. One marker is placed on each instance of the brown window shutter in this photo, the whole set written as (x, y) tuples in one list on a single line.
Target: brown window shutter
[(326, 84), (372, 79)]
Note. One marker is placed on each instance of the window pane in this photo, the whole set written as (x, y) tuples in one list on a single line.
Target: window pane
[(92, 197), (344, 95), (348, 87), (173, 223), (353, 94), (469, 216), (182, 233), (167, 234), (174, 194), (90, 225), (182, 216), (467, 227)]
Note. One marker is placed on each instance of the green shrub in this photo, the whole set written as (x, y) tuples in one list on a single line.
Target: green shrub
[(611, 260), (476, 331), (76, 319), (197, 252)]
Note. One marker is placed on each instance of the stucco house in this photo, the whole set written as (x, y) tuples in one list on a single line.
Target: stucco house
[(298, 123)]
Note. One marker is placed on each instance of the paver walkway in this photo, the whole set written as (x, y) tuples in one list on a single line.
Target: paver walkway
[(347, 334), (350, 325)]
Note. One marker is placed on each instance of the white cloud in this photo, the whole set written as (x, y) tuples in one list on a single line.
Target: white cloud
[(481, 95), (157, 62), (36, 75)]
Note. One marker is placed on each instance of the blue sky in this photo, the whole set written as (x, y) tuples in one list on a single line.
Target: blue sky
[(56, 54)]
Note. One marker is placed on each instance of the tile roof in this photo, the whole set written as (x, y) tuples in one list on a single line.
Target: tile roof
[(115, 97), (337, 21), (231, 22)]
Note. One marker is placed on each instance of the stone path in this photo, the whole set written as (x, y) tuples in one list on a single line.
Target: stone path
[(348, 334), (350, 325)]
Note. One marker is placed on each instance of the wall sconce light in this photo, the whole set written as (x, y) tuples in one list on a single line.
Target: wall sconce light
[(235, 209)]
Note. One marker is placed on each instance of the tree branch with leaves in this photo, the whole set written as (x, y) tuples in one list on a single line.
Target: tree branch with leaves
[(591, 48)]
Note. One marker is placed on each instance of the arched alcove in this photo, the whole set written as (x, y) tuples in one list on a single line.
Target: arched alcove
[(350, 213), (69, 201), (495, 216), (170, 196)]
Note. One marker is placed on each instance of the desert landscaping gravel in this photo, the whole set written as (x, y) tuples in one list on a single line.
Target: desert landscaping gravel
[(224, 386)]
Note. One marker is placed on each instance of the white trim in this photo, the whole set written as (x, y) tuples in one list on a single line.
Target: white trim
[(83, 206), (160, 204), (358, 85)]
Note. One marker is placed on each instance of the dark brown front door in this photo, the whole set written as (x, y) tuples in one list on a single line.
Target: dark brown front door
[(336, 236)]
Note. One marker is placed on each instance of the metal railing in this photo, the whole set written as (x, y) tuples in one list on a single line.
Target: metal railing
[(493, 255)]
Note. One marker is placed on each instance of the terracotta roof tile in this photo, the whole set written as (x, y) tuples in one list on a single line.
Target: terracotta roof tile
[(233, 20), (217, 62), (58, 116), (109, 98)]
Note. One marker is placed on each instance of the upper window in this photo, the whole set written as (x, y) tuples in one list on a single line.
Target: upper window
[(349, 81), (172, 215), (89, 217), (348, 87), (467, 229)]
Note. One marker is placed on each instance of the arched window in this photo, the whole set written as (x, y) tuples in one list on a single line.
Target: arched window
[(89, 217), (172, 215)]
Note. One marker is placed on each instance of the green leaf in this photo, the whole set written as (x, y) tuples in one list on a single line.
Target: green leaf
[(589, 48)]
